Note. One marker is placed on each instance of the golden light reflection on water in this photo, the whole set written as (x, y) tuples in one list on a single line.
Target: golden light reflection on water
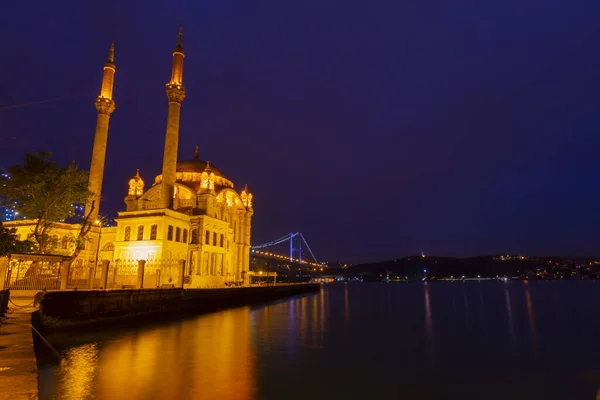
[(315, 320), (322, 301), (304, 320), (78, 371), (530, 317), (429, 325), (158, 363), (346, 306), (428, 319), (509, 316)]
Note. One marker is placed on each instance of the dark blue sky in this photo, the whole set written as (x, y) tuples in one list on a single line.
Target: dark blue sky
[(376, 128)]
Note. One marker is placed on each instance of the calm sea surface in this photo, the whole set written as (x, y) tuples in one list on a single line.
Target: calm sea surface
[(489, 340)]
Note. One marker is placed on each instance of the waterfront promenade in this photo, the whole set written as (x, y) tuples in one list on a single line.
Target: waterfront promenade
[(18, 369)]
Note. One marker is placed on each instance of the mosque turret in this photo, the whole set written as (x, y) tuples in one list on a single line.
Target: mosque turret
[(247, 202), (246, 197), (207, 196), (136, 189), (175, 93), (105, 106)]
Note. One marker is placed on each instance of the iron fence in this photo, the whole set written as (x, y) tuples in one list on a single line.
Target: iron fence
[(122, 274), (162, 273), (33, 273), (41, 272)]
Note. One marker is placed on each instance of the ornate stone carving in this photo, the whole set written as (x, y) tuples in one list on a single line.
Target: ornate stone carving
[(104, 105), (175, 92)]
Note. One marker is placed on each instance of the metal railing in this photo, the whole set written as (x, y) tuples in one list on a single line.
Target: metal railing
[(33, 274), (122, 274), (162, 273), (42, 272)]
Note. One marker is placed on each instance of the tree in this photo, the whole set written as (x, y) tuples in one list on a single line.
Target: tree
[(45, 193), (10, 244)]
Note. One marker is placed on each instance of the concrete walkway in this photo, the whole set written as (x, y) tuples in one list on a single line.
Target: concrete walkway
[(18, 368)]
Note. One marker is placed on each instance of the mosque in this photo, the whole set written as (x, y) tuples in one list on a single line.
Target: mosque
[(192, 213)]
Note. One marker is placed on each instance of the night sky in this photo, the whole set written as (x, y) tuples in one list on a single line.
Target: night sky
[(376, 128)]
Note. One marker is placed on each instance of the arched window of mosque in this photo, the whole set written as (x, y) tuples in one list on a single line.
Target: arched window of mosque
[(153, 230), (178, 234), (170, 233), (214, 238), (221, 241), (184, 239), (127, 236), (140, 235), (65, 243), (55, 241), (194, 236), (108, 247), (207, 238)]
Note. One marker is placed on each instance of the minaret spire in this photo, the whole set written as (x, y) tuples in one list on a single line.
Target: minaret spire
[(111, 53), (175, 94), (105, 106), (180, 39)]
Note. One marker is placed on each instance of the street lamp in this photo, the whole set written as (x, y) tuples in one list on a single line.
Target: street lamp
[(99, 224), (268, 266)]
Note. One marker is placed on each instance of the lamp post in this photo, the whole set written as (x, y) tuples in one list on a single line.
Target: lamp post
[(99, 224), (267, 267)]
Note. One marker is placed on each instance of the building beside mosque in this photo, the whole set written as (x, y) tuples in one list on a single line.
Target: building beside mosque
[(191, 213)]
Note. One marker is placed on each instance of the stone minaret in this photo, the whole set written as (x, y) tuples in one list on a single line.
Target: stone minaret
[(105, 106), (175, 94)]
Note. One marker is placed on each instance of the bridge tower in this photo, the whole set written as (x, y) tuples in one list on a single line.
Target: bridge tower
[(298, 249)]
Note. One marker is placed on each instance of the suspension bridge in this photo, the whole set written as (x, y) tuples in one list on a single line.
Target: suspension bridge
[(300, 252)]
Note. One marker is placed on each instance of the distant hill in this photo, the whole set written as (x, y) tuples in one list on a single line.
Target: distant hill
[(415, 267)]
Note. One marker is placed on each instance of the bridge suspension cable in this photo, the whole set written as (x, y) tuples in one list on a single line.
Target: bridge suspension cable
[(275, 242), (289, 237), (309, 249)]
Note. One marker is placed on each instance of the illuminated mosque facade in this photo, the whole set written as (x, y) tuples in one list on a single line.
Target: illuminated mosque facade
[(191, 213)]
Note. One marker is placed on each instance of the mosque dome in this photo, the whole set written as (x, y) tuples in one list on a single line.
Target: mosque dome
[(189, 173), (197, 165)]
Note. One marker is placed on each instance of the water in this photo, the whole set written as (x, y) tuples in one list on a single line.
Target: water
[(489, 340)]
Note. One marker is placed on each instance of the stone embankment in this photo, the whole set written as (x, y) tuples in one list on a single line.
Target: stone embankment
[(83, 309), (18, 368)]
